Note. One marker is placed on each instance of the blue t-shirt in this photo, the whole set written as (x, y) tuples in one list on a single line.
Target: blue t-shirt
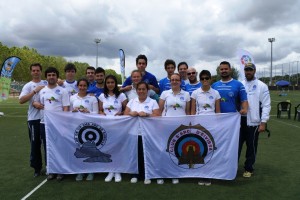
[(232, 94), (91, 85), (165, 84), (95, 90), (191, 87), (148, 78)]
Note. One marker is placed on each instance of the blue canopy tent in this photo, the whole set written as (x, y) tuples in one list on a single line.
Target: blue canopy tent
[(283, 84)]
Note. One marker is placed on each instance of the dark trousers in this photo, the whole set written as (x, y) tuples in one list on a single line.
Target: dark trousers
[(248, 134), (43, 137), (35, 144), (141, 165)]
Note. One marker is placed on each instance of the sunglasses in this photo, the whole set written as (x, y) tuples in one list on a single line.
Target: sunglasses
[(204, 78), (190, 73), (249, 69)]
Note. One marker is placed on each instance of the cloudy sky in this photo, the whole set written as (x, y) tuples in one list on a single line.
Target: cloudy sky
[(202, 33)]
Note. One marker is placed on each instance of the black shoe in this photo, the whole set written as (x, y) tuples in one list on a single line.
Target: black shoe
[(59, 177), (50, 177)]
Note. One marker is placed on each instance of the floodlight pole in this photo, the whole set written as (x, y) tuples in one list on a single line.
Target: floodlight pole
[(97, 41), (271, 40)]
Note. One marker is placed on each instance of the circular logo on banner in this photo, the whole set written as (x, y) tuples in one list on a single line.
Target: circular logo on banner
[(245, 59), (88, 132), (191, 147)]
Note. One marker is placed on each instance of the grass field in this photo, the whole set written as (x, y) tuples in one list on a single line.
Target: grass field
[(277, 175)]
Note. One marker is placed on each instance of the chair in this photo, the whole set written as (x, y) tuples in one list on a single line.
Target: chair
[(284, 107), (297, 112)]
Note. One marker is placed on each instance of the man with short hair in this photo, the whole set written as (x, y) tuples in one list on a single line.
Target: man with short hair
[(141, 64), (193, 82), (182, 68), (70, 84), (52, 97), (165, 83), (90, 75), (99, 87), (233, 93), (33, 123), (255, 121)]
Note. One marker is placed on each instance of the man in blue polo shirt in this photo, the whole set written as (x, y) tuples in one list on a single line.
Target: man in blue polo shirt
[(165, 83), (233, 93), (141, 64)]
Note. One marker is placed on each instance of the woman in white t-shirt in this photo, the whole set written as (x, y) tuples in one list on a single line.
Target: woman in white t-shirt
[(112, 103), (205, 100), (174, 102), (141, 106), (82, 102)]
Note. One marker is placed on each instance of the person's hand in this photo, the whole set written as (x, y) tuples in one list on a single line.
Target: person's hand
[(76, 109), (38, 105), (243, 111), (133, 113), (143, 114), (60, 82), (38, 88), (119, 114), (262, 127)]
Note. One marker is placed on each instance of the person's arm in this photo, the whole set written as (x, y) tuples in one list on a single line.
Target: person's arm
[(101, 111), (66, 108), (130, 113), (124, 103), (30, 94), (161, 105), (126, 88), (188, 108), (244, 108), (155, 113), (217, 106), (265, 100), (95, 106), (193, 106)]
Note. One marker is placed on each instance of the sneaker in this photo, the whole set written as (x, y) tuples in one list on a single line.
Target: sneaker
[(175, 181), (147, 181), (36, 174), (79, 177), (109, 177), (90, 177), (118, 177), (59, 177), (50, 177), (247, 174), (133, 180), (204, 181), (160, 181)]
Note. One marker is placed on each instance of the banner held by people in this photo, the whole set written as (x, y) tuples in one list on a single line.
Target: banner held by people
[(203, 146), (87, 143)]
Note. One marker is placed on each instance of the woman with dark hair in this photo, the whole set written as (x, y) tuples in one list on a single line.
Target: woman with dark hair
[(112, 103), (205, 100), (142, 106), (82, 102)]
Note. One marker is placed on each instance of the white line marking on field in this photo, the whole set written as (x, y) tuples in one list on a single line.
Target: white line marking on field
[(286, 123), (36, 188)]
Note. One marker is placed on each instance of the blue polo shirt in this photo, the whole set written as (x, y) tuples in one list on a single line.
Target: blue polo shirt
[(148, 78), (232, 94), (95, 90), (165, 84), (191, 87)]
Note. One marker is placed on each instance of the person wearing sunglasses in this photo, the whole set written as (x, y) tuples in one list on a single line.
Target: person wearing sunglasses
[(205, 100), (194, 83)]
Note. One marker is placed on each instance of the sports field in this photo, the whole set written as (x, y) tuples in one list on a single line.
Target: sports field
[(277, 174)]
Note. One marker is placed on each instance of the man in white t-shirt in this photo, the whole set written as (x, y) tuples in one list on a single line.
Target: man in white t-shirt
[(70, 84), (33, 123), (52, 97)]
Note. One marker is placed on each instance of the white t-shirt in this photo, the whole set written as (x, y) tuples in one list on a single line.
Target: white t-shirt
[(147, 106), (205, 101), (53, 99), (174, 104), (70, 87), (33, 113), (88, 102), (112, 105)]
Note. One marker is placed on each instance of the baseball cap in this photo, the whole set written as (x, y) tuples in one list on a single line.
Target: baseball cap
[(250, 65)]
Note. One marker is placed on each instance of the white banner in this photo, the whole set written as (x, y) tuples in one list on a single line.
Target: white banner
[(86, 143), (191, 146), (244, 58)]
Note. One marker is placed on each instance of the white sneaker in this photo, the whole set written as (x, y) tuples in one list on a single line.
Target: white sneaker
[(79, 177), (109, 177), (147, 181), (118, 177), (90, 177), (133, 180), (175, 181), (160, 181)]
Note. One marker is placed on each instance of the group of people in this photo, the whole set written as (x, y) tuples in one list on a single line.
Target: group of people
[(143, 96)]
